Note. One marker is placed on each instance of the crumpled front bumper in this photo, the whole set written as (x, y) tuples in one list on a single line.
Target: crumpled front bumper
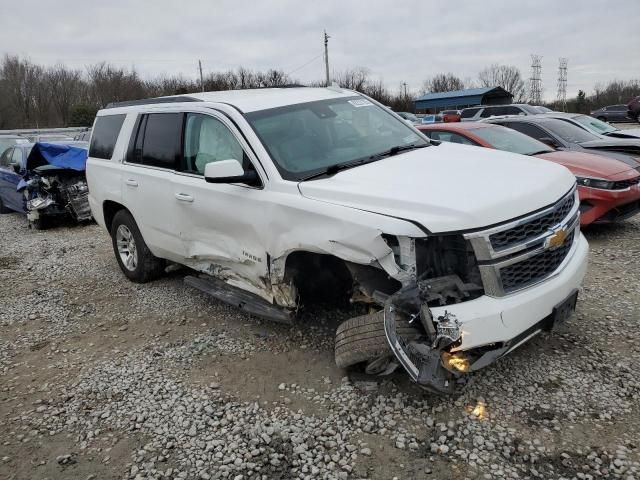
[(489, 327)]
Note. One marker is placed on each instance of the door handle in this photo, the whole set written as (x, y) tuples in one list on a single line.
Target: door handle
[(183, 197), (131, 182)]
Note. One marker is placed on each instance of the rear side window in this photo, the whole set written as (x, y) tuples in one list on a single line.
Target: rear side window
[(105, 135), (469, 112), (162, 140), (528, 129), (511, 111)]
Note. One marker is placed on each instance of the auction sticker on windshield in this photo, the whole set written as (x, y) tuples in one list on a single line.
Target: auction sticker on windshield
[(360, 102)]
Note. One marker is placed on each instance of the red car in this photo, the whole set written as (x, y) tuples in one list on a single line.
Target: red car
[(450, 116), (609, 189)]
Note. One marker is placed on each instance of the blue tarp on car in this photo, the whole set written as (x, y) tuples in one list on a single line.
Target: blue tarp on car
[(58, 155), (63, 156)]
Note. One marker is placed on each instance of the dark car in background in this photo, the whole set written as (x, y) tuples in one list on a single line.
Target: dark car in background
[(564, 135), (612, 113), (450, 116), (596, 126), (472, 114), (633, 108)]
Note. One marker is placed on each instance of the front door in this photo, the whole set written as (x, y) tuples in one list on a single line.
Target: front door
[(220, 224)]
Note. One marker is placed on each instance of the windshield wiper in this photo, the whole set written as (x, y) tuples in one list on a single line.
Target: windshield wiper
[(540, 151), (333, 169), (397, 149)]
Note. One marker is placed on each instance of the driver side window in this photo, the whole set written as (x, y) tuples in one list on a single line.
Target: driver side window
[(207, 140)]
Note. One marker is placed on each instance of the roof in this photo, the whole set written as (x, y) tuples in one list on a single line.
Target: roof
[(251, 100), (469, 92), (454, 126)]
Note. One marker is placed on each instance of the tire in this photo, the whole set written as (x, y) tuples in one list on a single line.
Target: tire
[(141, 265), (360, 339), (4, 209), (39, 224)]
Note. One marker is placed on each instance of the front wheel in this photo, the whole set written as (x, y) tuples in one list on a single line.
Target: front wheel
[(134, 257)]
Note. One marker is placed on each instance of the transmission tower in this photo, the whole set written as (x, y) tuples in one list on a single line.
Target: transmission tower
[(562, 84), (535, 82)]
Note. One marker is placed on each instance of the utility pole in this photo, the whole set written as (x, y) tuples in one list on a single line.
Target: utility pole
[(404, 84), (326, 57), (201, 79)]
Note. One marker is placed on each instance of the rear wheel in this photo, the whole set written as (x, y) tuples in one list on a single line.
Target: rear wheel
[(361, 339), (134, 257)]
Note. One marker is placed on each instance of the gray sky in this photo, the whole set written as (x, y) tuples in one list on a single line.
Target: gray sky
[(397, 41)]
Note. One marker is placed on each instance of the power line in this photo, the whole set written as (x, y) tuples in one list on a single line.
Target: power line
[(305, 64)]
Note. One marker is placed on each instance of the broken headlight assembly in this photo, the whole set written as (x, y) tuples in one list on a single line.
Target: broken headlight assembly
[(39, 203), (445, 272)]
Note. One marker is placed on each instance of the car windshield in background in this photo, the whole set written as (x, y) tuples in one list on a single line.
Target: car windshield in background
[(594, 124), (503, 138), (308, 138), (569, 132), (541, 109), (10, 142)]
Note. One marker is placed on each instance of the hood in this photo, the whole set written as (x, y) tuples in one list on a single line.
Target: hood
[(632, 133), (627, 145), (59, 155), (448, 187), (587, 164)]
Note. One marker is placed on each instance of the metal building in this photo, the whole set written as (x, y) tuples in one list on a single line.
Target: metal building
[(436, 102)]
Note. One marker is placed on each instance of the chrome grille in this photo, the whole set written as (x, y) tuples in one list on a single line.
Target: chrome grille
[(533, 228), (534, 269), (523, 252)]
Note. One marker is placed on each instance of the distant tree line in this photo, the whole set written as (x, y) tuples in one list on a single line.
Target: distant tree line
[(33, 95)]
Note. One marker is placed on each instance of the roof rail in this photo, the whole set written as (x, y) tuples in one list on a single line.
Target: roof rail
[(150, 101)]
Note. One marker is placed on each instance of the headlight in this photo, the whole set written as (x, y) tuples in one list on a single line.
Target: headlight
[(595, 183)]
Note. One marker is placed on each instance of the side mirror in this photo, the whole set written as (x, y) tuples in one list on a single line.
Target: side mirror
[(229, 171), (549, 141)]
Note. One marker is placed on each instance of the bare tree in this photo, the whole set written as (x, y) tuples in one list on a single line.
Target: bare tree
[(66, 88), (442, 82), (507, 77)]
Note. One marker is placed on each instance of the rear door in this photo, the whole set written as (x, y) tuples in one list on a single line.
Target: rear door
[(217, 224), (618, 113), (147, 174)]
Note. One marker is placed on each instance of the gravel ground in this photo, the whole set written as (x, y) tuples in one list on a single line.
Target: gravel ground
[(101, 378)]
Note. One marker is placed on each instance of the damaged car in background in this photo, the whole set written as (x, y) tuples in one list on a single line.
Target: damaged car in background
[(53, 183), (276, 198)]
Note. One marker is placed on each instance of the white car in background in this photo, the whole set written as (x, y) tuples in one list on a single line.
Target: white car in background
[(279, 197)]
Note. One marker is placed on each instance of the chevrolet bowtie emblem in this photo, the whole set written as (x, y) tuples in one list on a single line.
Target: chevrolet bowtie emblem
[(557, 239)]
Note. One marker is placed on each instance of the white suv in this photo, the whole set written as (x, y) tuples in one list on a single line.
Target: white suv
[(278, 197)]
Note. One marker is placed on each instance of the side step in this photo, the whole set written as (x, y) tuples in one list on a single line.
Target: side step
[(246, 301)]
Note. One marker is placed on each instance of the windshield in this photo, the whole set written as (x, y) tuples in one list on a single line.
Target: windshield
[(569, 132), (594, 125), (308, 138), (541, 109), (503, 138)]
